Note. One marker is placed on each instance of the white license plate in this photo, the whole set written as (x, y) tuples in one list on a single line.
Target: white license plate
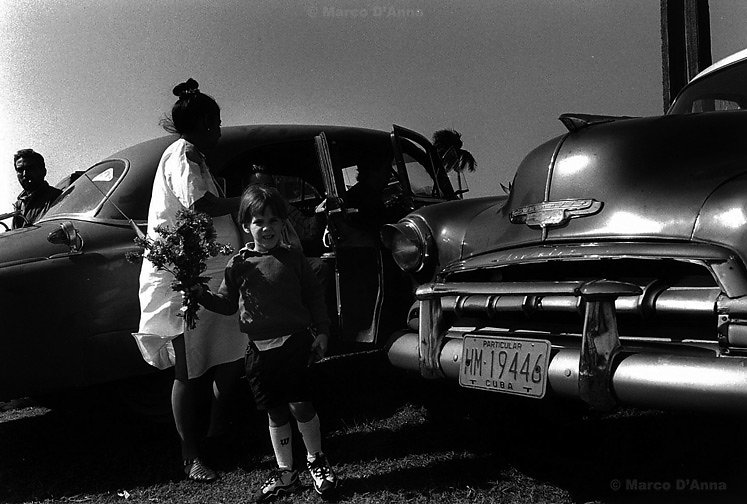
[(509, 365)]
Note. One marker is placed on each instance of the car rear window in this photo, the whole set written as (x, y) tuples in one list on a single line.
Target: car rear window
[(725, 89), (85, 196)]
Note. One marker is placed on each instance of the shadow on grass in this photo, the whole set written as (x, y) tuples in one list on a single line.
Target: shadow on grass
[(628, 456), (392, 435), (96, 447), (53, 455)]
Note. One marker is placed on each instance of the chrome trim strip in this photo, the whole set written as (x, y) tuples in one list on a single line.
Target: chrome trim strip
[(498, 288)]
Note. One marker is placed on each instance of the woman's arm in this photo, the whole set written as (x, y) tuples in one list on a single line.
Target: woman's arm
[(215, 206)]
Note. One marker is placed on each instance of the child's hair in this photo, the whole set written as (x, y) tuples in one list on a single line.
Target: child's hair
[(256, 198), (191, 108)]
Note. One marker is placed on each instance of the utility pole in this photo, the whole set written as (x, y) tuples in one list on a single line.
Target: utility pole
[(685, 43)]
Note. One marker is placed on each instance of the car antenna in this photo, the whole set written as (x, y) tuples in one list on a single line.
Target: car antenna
[(138, 232)]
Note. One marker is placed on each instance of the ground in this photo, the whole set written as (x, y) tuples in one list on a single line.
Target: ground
[(387, 447)]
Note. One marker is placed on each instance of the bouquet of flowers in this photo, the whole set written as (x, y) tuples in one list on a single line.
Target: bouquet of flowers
[(182, 251)]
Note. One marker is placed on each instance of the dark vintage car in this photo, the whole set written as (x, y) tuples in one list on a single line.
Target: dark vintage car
[(68, 295), (615, 271)]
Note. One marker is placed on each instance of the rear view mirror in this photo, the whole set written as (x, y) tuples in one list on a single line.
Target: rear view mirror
[(67, 235)]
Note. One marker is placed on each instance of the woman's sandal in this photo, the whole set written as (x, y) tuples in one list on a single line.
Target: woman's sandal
[(195, 470)]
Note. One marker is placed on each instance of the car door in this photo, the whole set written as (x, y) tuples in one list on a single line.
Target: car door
[(68, 296), (372, 294), (420, 168)]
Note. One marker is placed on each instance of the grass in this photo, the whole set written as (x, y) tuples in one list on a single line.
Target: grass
[(386, 447)]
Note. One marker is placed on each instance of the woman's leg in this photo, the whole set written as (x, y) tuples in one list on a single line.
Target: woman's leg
[(225, 379), (184, 402)]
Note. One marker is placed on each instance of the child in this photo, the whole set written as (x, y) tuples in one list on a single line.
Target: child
[(279, 301)]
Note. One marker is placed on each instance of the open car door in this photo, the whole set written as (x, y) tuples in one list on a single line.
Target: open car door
[(365, 304), (420, 167)]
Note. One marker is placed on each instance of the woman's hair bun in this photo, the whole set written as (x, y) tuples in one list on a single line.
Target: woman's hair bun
[(185, 88)]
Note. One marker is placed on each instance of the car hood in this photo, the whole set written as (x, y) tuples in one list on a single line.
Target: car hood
[(642, 178)]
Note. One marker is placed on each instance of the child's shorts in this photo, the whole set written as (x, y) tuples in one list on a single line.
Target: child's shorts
[(280, 375)]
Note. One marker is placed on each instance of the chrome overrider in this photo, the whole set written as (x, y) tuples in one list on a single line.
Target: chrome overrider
[(602, 372)]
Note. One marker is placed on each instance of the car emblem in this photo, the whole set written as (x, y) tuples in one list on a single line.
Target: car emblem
[(554, 213)]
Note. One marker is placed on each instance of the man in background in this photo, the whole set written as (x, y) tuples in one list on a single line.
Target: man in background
[(37, 195)]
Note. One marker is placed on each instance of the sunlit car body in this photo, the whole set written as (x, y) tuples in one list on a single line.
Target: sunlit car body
[(613, 272), (68, 295)]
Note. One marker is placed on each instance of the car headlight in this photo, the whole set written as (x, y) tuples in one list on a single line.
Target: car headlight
[(409, 244)]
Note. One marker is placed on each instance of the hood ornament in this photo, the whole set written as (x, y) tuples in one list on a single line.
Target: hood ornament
[(554, 213)]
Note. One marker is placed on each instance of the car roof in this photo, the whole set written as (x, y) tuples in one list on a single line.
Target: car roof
[(258, 142), (236, 139), (732, 59)]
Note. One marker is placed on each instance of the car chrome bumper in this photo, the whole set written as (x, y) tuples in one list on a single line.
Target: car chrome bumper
[(600, 370), (651, 380)]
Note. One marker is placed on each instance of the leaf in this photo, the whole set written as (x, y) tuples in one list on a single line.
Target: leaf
[(182, 250)]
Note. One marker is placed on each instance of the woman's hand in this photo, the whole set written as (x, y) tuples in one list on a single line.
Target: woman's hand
[(319, 348)]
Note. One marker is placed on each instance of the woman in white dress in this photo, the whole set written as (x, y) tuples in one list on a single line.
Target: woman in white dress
[(216, 347)]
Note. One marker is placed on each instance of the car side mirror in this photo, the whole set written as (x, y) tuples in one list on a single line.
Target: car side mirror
[(67, 235)]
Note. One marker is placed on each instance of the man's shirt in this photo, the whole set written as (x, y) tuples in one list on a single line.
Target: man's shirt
[(32, 205)]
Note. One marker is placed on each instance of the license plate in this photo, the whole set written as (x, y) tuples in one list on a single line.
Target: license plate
[(509, 365)]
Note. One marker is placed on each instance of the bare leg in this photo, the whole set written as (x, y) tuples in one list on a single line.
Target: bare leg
[(225, 380), (302, 411), (183, 403)]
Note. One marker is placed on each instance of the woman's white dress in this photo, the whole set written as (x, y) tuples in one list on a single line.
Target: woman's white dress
[(181, 179)]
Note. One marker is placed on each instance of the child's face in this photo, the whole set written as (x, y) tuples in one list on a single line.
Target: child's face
[(265, 230)]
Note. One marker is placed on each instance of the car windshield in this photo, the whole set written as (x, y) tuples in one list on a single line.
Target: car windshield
[(85, 196), (725, 89)]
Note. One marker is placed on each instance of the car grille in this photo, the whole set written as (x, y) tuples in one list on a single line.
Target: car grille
[(678, 301)]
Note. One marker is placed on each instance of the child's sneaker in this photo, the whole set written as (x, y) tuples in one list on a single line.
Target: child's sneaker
[(322, 475), (280, 481)]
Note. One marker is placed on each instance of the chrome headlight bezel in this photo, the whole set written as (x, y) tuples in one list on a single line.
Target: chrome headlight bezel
[(410, 243)]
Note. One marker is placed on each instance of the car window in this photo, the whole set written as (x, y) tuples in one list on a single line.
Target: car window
[(725, 89), (296, 189), (420, 172), (421, 182), (350, 176), (85, 195)]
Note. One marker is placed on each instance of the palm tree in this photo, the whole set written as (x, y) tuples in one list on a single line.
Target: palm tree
[(448, 144)]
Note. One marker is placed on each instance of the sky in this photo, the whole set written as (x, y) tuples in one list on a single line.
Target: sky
[(82, 79)]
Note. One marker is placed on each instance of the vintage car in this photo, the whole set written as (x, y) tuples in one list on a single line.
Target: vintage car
[(68, 295), (615, 271)]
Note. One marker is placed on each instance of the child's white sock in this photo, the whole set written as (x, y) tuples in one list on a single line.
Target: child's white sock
[(312, 436), (281, 437)]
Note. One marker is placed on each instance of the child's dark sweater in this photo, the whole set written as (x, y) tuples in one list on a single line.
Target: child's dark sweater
[(276, 293)]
